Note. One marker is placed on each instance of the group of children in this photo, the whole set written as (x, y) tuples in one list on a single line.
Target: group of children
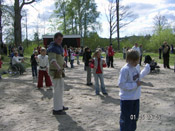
[(70, 54), (128, 82)]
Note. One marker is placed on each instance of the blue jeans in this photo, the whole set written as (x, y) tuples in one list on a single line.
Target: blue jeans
[(96, 77), (129, 114), (34, 71), (72, 63), (78, 62), (65, 59)]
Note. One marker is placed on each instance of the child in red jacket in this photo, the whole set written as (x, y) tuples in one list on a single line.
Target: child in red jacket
[(98, 65)]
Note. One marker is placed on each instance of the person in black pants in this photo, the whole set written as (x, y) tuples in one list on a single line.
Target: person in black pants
[(87, 59), (34, 64), (166, 55)]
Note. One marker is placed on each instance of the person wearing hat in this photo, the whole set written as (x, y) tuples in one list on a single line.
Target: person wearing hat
[(34, 63), (56, 70), (43, 63)]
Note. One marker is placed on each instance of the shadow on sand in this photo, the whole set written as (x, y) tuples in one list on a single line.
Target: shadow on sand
[(66, 123)]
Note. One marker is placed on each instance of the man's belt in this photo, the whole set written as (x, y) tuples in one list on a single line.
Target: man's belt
[(42, 67)]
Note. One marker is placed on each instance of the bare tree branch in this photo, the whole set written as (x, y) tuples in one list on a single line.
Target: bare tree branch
[(26, 3)]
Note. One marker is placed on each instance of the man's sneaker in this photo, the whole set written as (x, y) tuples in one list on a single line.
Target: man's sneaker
[(59, 112), (65, 108)]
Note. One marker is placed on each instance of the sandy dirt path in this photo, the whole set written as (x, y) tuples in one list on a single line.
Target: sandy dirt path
[(24, 108)]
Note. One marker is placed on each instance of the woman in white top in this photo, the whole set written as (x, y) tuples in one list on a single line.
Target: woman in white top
[(17, 61)]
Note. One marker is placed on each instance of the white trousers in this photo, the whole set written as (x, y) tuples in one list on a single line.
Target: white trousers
[(58, 93)]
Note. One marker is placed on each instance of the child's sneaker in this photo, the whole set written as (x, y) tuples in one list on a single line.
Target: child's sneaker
[(106, 94)]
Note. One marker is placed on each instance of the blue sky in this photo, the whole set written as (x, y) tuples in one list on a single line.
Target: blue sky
[(146, 10)]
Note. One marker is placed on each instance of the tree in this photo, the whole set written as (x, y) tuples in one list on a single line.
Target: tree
[(160, 23), (118, 16), (61, 12), (0, 25), (76, 16), (17, 20), (8, 23), (111, 17), (158, 39)]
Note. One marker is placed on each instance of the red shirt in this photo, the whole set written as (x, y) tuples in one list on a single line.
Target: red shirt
[(0, 63), (110, 51), (65, 52), (98, 71)]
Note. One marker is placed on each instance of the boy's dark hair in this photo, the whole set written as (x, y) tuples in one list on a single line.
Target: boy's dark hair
[(58, 34)]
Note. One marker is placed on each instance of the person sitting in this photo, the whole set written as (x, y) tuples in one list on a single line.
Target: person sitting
[(17, 61)]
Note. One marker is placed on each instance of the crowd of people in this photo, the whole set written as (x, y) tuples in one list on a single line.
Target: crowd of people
[(50, 64)]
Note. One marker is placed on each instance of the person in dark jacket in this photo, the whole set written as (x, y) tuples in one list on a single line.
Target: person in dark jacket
[(87, 60), (34, 64), (166, 54)]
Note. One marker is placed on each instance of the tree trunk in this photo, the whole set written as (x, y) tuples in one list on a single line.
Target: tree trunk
[(118, 30), (17, 23), (85, 25), (79, 22), (65, 31), (0, 27), (73, 25)]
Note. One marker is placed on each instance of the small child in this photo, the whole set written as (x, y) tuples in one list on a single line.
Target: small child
[(130, 90), (34, 64), (87, 60), (0, 66), (72, 58), (43, 63), (98, 73)]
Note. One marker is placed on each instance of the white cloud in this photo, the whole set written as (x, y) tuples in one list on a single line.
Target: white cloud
[(145, 9)]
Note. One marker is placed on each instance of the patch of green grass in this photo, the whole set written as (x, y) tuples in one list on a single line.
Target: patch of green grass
[(154, 56)]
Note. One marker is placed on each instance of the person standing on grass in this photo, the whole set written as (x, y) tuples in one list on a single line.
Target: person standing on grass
[(166, 54), (98, 73), (88, 59), (111, 55), (57, 65), (34, 64), (130, 90), (141, 54), (43, 63)]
